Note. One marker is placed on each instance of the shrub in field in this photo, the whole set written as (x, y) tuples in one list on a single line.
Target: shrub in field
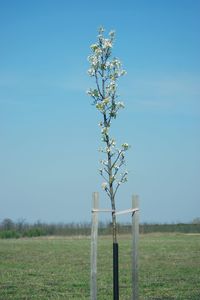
[(34, 232), (8, 234)]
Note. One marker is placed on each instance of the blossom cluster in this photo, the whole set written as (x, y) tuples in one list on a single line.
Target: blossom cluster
[(106, 70)]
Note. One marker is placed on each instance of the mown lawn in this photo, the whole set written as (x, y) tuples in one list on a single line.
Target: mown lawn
[(59, 268)]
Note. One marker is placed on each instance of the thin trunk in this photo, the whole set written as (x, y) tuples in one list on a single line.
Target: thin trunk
[(114, 225), (112, 198), (112, 194)]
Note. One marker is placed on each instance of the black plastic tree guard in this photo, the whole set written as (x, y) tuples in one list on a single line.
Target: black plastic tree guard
[(115, 272)]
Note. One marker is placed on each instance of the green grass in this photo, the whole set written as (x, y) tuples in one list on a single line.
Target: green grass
[(59, 268)]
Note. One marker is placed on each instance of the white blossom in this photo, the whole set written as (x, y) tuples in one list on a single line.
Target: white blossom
[(104, 185), (93, 93), (107, 43), (94, 47), (108, 149), (101, 30), (125, 146), (116, 63), (100, 106), (104, 130), (112, 33), (91, 72), (120, 105), (106, 101)]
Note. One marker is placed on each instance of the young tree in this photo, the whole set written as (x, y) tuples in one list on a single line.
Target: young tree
[(106, 70)]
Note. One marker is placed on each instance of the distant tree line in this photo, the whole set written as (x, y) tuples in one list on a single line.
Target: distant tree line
[(19, 229)]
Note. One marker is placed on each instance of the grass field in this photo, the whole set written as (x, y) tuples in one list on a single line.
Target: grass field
[(59, 268)]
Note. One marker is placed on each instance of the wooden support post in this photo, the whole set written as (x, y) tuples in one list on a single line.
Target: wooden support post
[(94, 235), (135, 234)]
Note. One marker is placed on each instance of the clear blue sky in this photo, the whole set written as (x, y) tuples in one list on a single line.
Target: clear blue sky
[(49, 134)]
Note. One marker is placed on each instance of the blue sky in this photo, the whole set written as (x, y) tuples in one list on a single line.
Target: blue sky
[(49, 134)]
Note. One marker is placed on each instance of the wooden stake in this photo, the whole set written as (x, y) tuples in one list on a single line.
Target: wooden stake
[(135, 234), (94, 236)]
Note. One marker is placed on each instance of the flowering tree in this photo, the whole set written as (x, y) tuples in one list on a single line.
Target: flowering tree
[(106, 70)]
